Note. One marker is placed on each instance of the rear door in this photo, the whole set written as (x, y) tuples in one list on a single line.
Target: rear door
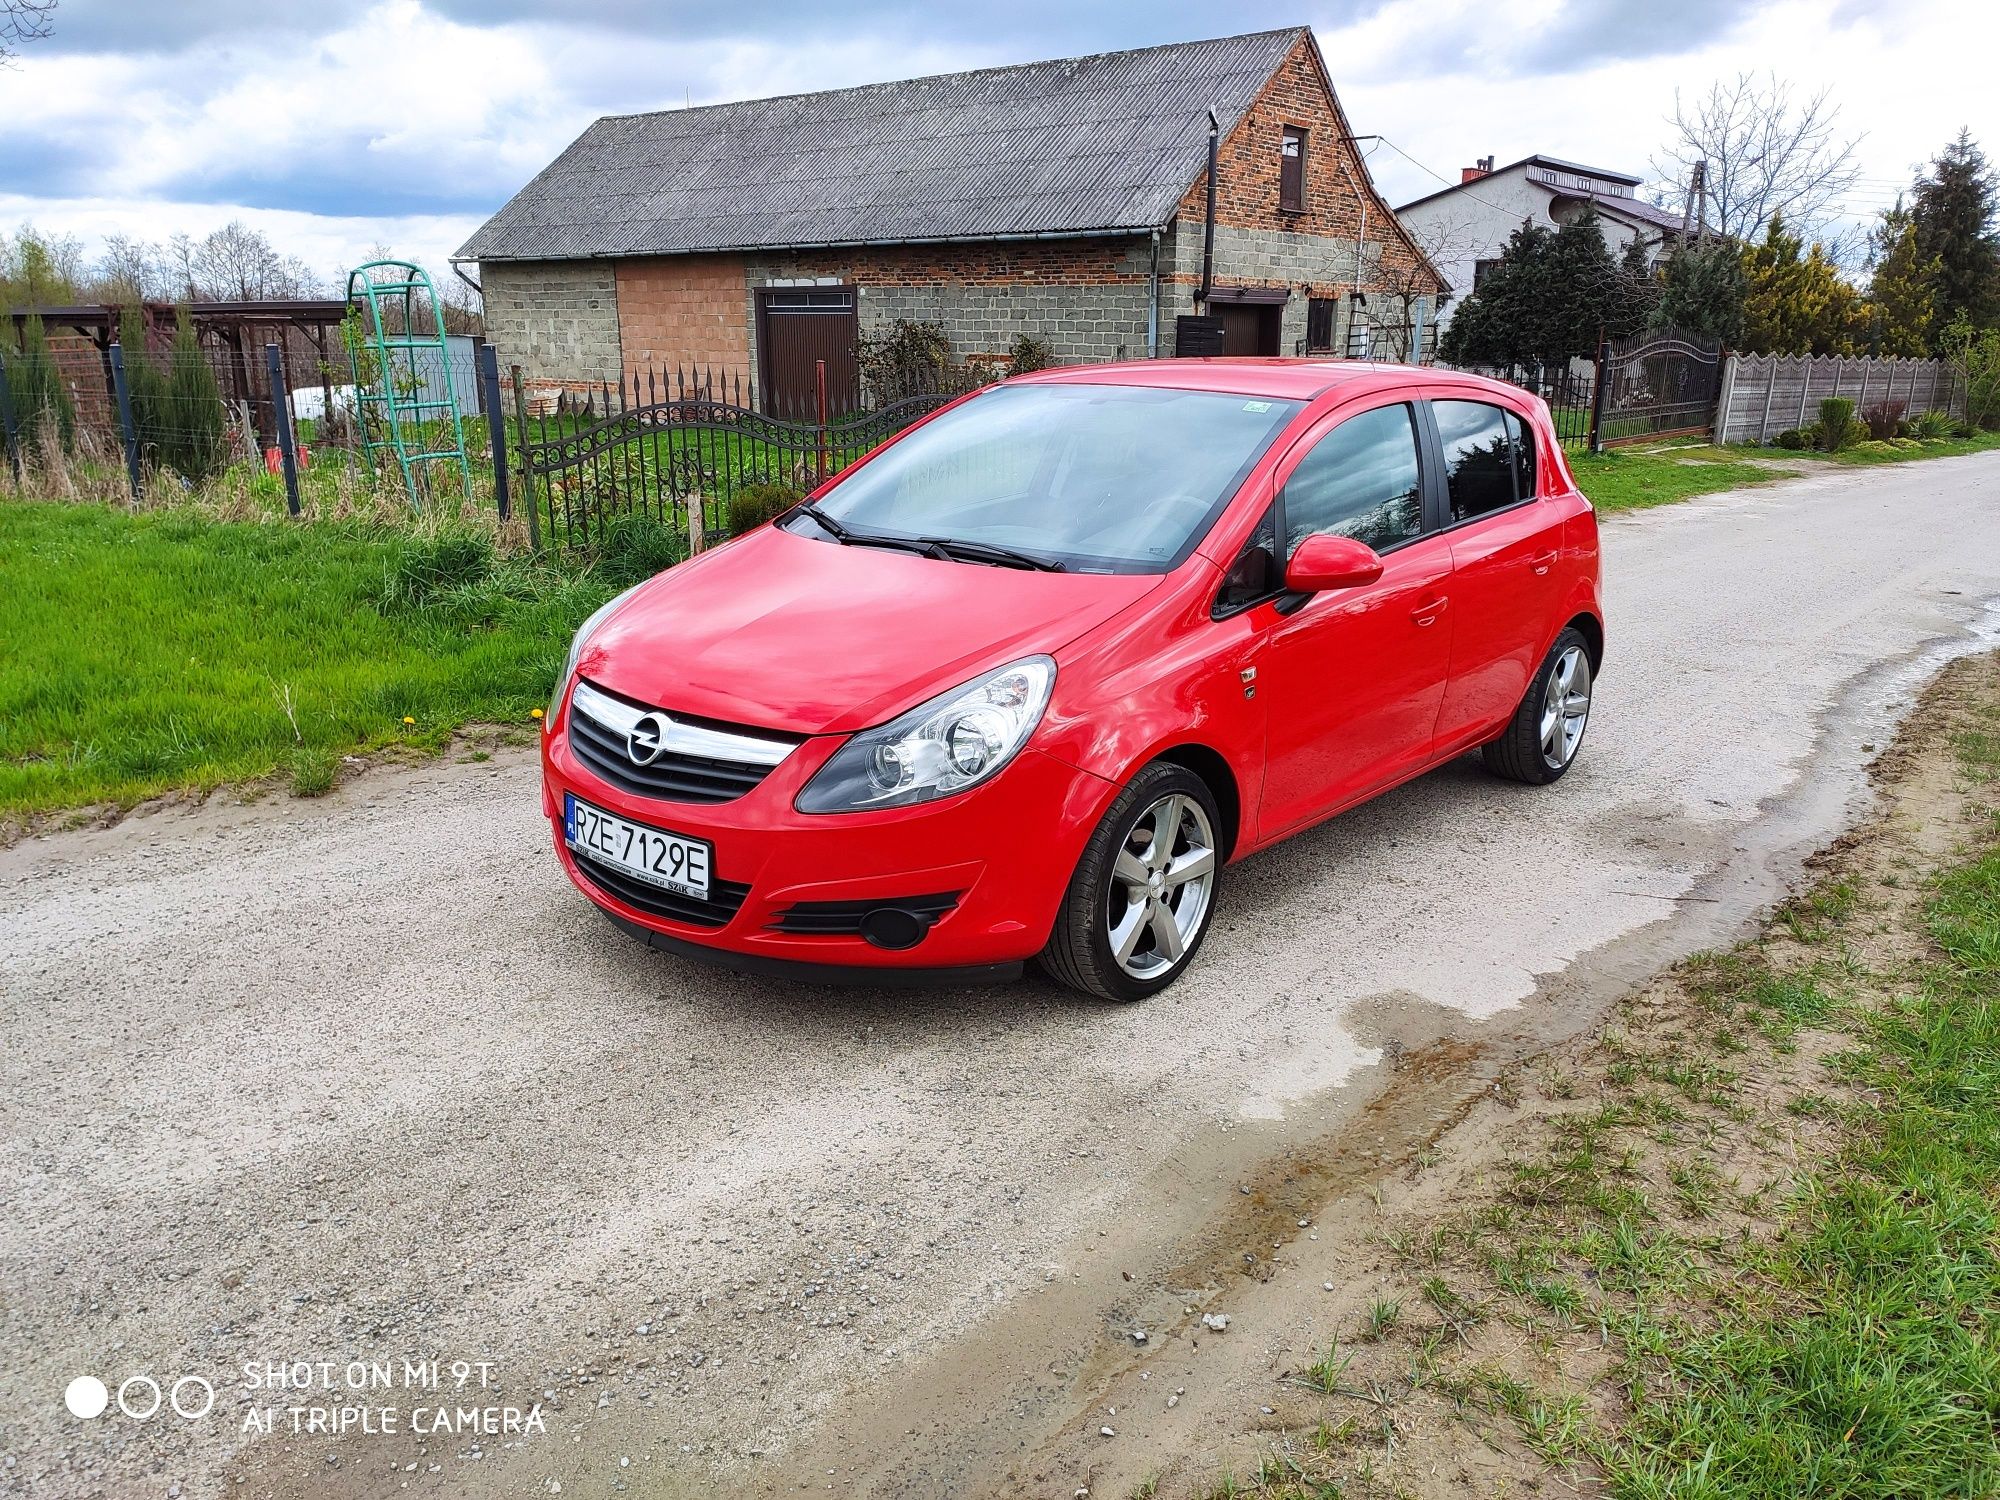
[(1504, 543), (1352, 678)]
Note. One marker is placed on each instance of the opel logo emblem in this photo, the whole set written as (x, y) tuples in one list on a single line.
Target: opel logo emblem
[(647, 738)]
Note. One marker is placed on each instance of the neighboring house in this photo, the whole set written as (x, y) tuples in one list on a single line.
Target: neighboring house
[(1464, 229), (1062, 200)]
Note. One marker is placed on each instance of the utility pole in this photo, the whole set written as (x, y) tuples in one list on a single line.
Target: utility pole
[(1701, 201)]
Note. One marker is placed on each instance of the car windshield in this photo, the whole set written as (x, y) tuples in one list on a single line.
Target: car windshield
[(1106, 478)]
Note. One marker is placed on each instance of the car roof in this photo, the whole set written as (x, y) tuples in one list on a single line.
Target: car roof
[(1290, 379)]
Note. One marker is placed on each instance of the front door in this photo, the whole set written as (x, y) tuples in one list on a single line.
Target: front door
[(1352, 678), (1248, 327), (797, 329)]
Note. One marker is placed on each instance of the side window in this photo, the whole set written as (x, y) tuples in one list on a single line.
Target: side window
[(1360, 480), (1523, 438), (1479, 456)]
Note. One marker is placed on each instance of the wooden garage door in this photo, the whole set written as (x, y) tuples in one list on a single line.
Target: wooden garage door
[(796, 328)]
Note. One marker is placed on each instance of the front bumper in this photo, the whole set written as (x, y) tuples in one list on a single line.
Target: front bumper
[(1005, 850)]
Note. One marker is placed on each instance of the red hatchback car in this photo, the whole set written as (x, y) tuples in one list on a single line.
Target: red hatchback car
[(1021, 683)]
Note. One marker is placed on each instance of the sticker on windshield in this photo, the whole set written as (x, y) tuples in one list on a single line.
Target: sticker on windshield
[(1256, 406)]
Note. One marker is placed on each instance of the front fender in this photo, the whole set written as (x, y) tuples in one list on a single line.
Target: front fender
[(1136, 698)]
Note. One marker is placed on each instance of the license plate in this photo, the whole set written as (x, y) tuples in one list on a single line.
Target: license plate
[(659, 858)]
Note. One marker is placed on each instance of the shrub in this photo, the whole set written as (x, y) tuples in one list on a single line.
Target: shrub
[(1836, 423), (1932, 426), (911, 359), (754, 504), (634, 548), (146, 382), (39, 398), (1975, 361), (1030, 354), (196, 430), (1884, 419), (1792, 438)]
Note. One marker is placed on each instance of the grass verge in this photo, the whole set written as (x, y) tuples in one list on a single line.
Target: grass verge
[(1635, 478), (168, 651), (1744, 1241)]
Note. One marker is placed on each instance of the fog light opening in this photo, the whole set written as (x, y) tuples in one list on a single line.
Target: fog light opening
[(895, 927)]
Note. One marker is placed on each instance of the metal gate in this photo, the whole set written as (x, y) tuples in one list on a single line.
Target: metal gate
[(797, 328), (1653, 385)]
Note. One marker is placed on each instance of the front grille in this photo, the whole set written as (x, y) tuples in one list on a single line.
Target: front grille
[(599, 726), (725, 897), (843, 918)]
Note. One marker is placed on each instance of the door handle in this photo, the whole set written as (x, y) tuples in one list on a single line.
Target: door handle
[(1426, 614), (1543, 563)]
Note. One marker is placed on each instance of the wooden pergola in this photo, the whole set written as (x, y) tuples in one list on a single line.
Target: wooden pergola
[(237, 328)]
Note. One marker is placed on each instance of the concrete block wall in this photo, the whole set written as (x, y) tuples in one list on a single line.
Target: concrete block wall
[(558, 320)]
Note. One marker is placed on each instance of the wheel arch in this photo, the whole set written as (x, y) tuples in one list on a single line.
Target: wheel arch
[(1220, 778), (1586, 624)]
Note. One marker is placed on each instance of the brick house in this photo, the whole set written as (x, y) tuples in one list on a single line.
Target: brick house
[(1062, 200)]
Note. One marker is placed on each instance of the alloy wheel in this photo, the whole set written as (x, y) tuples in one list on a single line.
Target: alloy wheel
[(1565, 707), (1159, 887)]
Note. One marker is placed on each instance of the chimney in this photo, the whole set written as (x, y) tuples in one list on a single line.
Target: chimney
[(1482, 168)]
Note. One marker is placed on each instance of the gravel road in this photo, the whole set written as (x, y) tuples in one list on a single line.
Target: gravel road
[(365, 1080)]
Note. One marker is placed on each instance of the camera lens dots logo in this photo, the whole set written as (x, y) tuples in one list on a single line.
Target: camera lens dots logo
[(139, 1397), (86, 1397)]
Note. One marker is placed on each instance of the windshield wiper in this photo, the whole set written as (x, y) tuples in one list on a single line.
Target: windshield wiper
[(943, 548), (847, 536), (827, 523), (987, 552)]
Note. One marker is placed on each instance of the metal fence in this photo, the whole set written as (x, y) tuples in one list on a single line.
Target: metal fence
[(678, 446), (1662, 383)]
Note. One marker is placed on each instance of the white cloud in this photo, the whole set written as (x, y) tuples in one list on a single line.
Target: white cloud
[(329, 244), (398, 124)]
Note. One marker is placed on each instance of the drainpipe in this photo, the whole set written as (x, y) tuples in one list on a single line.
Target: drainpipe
[(1153, 301), (1208, 227)]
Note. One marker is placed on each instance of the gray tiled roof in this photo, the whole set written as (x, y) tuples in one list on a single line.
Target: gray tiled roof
[(1104, 143)]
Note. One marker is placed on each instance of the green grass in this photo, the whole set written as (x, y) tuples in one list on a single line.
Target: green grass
[(1864, 454), (165, 650), (1634, 478), (1859, 1353), (1638, 477)]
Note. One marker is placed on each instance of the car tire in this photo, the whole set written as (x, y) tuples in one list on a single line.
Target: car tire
[(1125, 876), (1542, 740)]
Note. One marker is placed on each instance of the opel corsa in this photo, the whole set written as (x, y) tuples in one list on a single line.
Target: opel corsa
[(1026, 680)]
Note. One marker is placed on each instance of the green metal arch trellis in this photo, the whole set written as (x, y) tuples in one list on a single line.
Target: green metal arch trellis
[(401, 395)]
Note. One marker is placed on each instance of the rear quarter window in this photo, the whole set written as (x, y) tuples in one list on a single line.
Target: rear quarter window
[(1483, 457)]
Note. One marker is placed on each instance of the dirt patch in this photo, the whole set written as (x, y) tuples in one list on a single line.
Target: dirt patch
[(474, 742), (1405, 1336)]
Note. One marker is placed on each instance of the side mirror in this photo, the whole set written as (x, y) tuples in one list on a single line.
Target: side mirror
[(1325, 561)]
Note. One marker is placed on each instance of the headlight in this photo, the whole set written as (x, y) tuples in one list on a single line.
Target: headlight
[(956, 740), (583, 633)]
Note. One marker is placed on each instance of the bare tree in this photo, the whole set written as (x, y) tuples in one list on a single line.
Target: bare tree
[(1767, 154), (22, 21), (128, 270), (462, 309), (232, 264)]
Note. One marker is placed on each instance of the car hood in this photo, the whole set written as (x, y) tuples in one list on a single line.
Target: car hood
[(791, 633)]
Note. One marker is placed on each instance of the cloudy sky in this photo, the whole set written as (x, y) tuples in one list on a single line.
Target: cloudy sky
[(339, 124)]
